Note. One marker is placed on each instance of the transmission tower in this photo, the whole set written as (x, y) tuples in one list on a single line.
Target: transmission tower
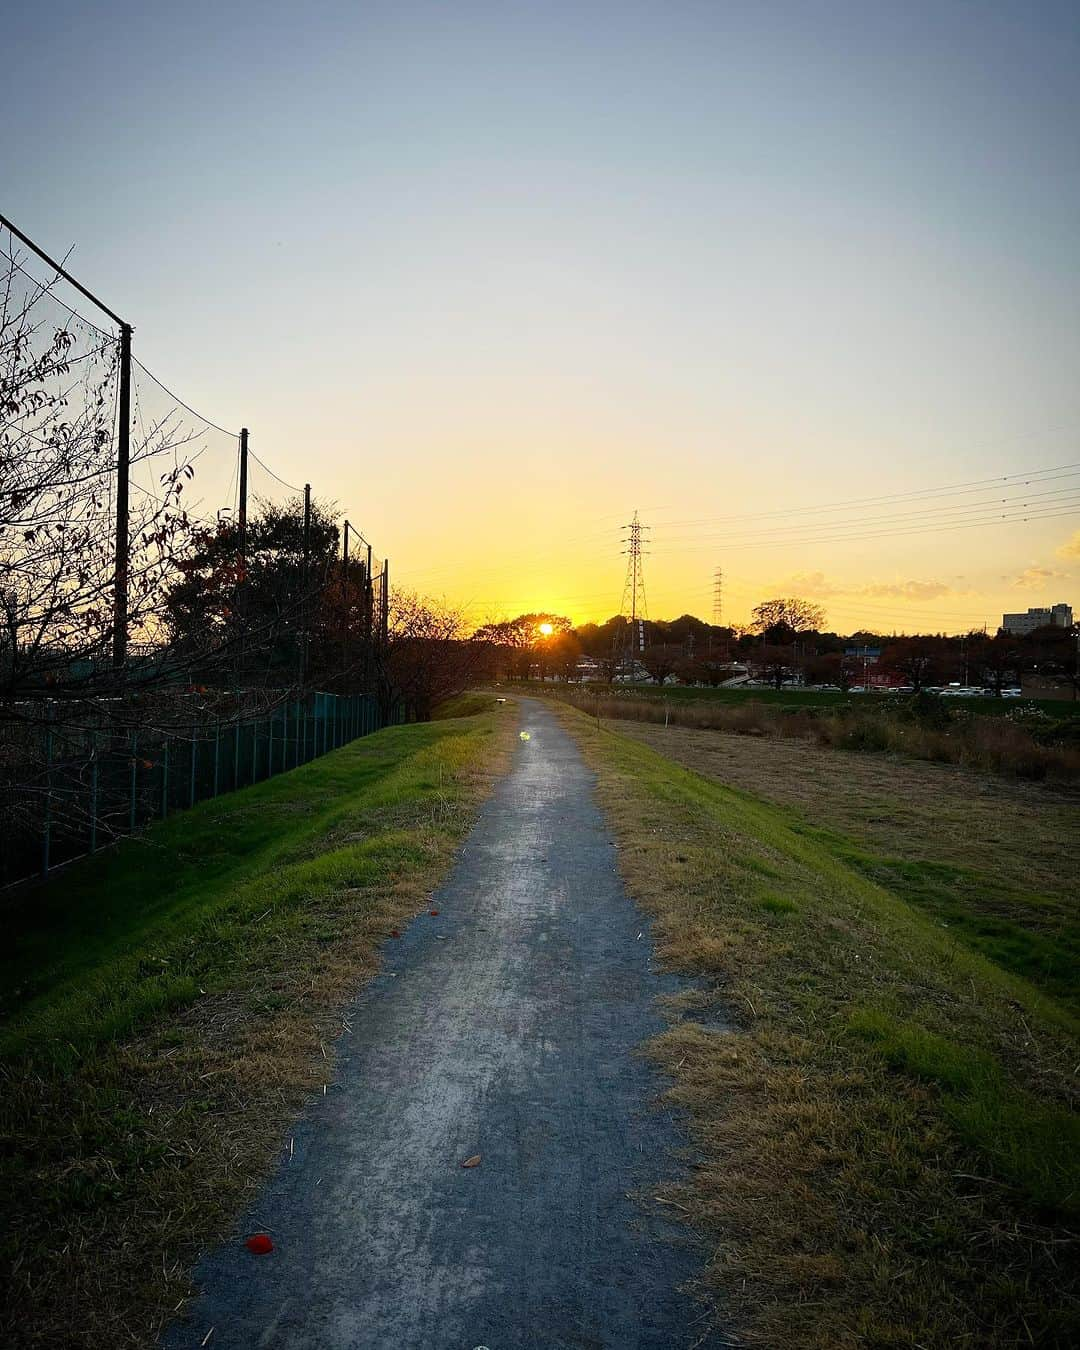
[(633, 600), (718, 597)]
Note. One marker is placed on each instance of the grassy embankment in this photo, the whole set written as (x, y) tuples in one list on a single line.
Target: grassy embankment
[(883, 1106), (169, 1005)]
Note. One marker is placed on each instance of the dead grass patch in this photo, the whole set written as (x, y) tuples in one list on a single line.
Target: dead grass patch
[(852, 1196)]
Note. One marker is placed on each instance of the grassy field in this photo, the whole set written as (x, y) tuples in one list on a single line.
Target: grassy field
[(1024, 744), (881, 1090), (169, 1005), (814, 698), (993, 861)]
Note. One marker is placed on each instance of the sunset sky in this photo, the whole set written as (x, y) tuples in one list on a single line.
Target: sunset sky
[(493, 276)]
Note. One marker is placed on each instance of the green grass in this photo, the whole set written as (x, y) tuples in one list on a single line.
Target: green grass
[(1032, 1144), (992, 862), (169, 1005), (464, 705), (889, 1157), (978, 909), (813, 698), (139, 930)]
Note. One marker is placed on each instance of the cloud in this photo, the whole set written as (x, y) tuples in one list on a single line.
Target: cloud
[(812, 585), (1034, 578), (908, 590), (816, 586), (1071, 547)]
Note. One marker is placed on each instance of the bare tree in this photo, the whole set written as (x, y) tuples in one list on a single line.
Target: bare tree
[(57, 515), (428, 657)]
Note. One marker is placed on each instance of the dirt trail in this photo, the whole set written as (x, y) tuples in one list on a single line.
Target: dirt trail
[(506, 1027)]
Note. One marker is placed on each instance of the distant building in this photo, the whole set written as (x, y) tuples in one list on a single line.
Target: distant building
[(1059, 616)]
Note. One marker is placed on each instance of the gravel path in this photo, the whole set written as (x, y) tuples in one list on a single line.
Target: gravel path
[(504, 1027)]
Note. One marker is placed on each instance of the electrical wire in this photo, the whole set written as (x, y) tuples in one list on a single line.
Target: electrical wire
[(974, 485)]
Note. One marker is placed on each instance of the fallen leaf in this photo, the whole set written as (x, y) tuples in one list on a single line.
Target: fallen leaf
[(394, 932), (474, 1161), (259, 1244), (434, 913)]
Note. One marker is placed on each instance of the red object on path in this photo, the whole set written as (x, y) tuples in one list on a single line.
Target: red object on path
[(259, 1244), (433, 913), (394, 932)]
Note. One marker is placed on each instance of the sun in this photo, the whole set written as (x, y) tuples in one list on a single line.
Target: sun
[(546, 629)]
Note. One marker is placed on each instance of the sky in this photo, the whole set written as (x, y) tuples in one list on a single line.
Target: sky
[(493, 276)]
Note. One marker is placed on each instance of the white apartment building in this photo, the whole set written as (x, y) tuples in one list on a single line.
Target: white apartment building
[(1058, 616)]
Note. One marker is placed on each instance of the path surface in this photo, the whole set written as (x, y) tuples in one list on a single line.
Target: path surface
[(506, 1027)]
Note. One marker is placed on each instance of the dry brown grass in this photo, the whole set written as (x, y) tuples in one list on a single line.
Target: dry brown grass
[(996, 744), (844, 1203), (145, 1153)]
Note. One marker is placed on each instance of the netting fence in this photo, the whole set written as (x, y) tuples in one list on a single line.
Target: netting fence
[(224, 625), (70, 788)]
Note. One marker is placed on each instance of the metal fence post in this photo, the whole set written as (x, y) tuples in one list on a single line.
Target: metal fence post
[(255, 750), (46, 839), (93, 791), (134, 780), (165, 778), (236, 755), (194, 759), (217, 755)]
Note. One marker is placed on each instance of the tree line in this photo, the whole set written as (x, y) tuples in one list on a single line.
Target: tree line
[(786, 641)]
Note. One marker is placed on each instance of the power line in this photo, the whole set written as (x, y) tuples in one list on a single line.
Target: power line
[(1023, 478), (927, 513), (1073, 506)]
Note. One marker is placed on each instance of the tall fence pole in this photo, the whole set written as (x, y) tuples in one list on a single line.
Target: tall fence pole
[(368, 607), (123, 474), (304, 584), (242, 544), (241, 518), (120, 572), (346, 593), (385, 628)]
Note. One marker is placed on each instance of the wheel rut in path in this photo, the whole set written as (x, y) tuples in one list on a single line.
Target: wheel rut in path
[(506, 1027)]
